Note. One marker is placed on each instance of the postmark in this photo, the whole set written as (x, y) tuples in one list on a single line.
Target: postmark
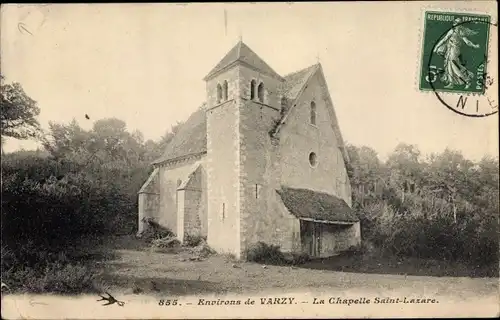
[(455, 62)]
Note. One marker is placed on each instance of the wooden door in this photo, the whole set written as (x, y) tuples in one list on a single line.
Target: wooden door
[(310, 233), (316, 239)]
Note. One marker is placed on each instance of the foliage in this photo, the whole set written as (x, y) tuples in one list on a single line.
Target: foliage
[(155, 231), (18, 112), (47, 201), (299, 258), (442, 206), (264, 253), (36, 269), (202, 249), (193, 240), (166, 242), (365, 248)]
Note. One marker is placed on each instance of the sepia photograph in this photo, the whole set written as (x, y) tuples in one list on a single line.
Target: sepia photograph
[(249, 160)]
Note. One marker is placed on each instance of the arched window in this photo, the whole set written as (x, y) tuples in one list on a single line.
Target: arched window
[(313, 113), (260, 92), (252, 89), (219, 93), (225, 90), (313, 159)]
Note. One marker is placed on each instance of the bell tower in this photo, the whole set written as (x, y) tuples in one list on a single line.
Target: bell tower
[(243, 102)]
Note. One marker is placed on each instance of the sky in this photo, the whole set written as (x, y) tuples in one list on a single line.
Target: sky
[(144, 64)]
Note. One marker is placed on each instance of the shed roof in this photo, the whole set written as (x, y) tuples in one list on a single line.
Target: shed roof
[(309, 204)]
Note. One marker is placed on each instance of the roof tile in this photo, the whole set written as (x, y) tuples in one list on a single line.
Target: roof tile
[(241, 52), (190, 139), (304, 203)]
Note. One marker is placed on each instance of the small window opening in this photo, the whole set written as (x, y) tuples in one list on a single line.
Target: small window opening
[(225, 90), (252, 89), (256, 191), (313, 113), (260, 92), (313, 159), (223, 211), (219, 93)]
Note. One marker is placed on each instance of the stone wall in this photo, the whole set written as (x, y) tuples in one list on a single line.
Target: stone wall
[(148, 208), (261, 217), (337, 238), (298, 138), (171, 176), (148, 200), (194, 201), (222, 166)]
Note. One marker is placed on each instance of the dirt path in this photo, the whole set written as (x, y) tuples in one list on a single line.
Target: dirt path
[(134, 268)]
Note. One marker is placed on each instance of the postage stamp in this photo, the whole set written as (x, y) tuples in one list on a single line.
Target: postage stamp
[(454, 52)]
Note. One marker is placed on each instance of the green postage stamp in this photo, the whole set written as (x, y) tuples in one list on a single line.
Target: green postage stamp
[(454, 52)]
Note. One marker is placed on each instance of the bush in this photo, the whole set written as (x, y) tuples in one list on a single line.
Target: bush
[(473, 239), (299, 258), (54, 278), (49, 201), (35, 269), (167, 242), (193, 240), (154, 231), (202, 250), (364, 248), (264, 253)]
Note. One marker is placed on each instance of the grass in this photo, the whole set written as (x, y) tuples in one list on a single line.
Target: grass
[(378, 264), (63, 270)]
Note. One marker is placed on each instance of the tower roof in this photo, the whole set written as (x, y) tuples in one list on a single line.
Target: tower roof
[(242, 53)]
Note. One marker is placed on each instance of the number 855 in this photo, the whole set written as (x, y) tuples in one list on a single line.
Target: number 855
[(167, 302)]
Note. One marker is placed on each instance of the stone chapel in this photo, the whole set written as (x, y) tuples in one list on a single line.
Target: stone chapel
[(262, 159)]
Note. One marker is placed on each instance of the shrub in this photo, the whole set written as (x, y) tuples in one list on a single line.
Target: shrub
[(364, 247), (42, 198), (37, 270), (300, 258), (55, 278), (193, 240), (63, 278), (202, 250), (154, 231), (264, 253), (166, 242), (473, 239), (229, 257)]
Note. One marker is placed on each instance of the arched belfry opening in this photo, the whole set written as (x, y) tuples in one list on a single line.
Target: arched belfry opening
[(219, 93), (260, 92), (224, 90), (253, 84)]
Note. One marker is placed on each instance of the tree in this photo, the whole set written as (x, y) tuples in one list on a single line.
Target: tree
[(18, 112), (366, 172), (169, 135), (404, 166)]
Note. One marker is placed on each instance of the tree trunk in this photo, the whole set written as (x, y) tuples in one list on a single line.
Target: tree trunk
[(454, 211)]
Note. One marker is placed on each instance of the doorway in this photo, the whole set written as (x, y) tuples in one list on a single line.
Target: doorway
[(310, 235)]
